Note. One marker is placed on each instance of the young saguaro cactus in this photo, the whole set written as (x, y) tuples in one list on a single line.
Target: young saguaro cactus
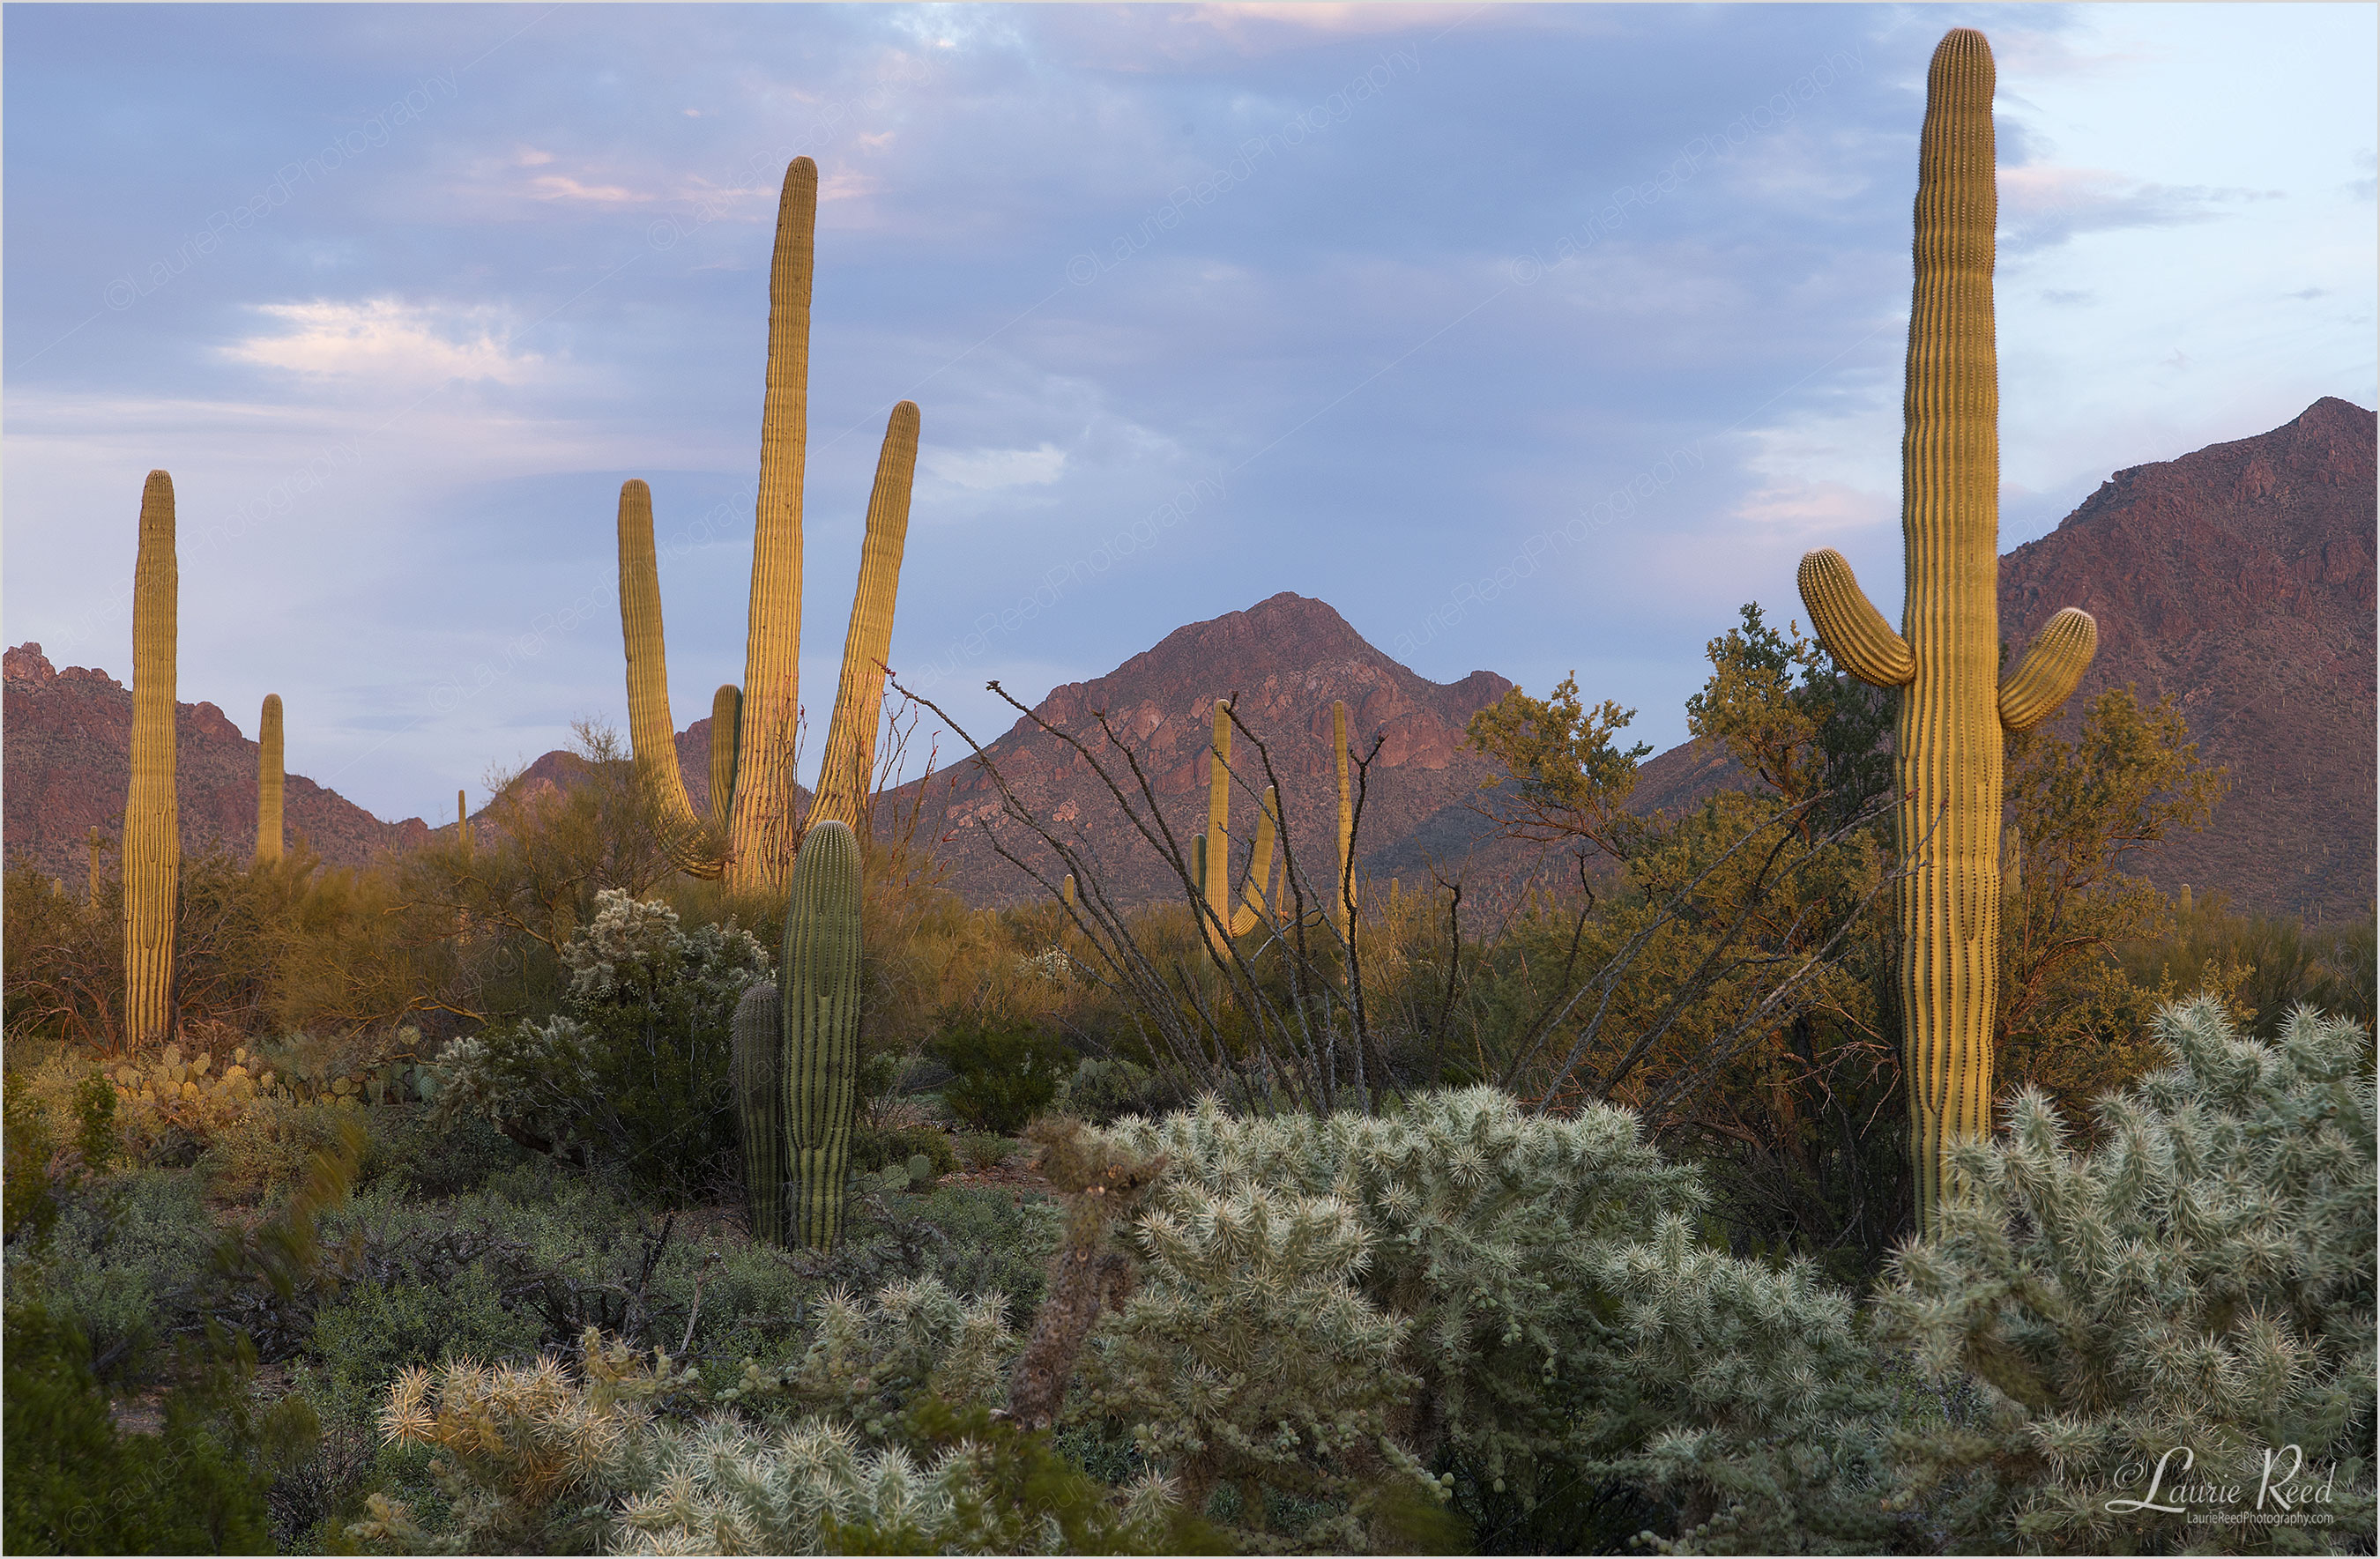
[(1954, 708), (726, 717), (818, 987), (760, 822), (152, 838), (849, 766), (759, 1035), (651, 735), (268, 781)]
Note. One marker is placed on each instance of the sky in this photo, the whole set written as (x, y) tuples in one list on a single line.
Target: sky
[(1534, 338)]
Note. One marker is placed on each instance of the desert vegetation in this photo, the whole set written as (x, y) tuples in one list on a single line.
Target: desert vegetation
[(611, 1176)]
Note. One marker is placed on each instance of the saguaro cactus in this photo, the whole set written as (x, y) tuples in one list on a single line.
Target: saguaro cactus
[(268, 781), (1954, 708), (462, 820), (1343, 912), (651, 735), (1210, 852), (726, 718), (152, 838), (848, 768), (819, 983), (760, 1046), (760, 823)]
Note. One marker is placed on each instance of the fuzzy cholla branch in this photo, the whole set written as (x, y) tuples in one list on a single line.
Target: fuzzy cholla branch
[(2199, 1288), (1481, 1224), (1245, 1357)]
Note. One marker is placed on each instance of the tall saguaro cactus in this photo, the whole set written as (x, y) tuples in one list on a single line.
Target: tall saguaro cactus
[(653, 736), (1954, 708), (152, 838), (268, 781), (849, 766), (760, 823), (1343, 912), (819, 988)]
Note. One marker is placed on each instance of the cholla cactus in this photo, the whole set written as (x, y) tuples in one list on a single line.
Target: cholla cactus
[(1248, 1357), (869, 1359), (2197, 1289), (1483, 1221)]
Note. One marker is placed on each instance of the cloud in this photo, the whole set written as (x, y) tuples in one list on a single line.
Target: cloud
[(2044, 205), (991, 470), (386, 339)]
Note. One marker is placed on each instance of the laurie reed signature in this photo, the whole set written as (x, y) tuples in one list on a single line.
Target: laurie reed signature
[(2286, 1490)]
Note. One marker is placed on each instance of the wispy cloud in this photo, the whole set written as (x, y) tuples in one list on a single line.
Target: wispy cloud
[(387, 340)]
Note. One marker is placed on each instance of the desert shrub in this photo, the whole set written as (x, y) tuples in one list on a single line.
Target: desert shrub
[(985, 1149), (1101, 1088), (634, 1073), (2202, 1281), (1483, 1224), (436, 1158), (993, 1242), (119, 1267), (873, 1148), (1247, 1360), (76, 1484), (1005, 1071)]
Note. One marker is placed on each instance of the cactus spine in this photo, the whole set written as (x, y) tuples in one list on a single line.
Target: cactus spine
[(653, 736), (759, 1044), (849, 768), (726, 717), (1954, 709), (820, 991), (760, 827), (153, 840), (268, 781)]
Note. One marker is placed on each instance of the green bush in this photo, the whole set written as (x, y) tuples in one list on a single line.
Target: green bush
[(1005, 1071), (634, 1075), (873, 1149), (985, 1150), (120, 1267), (75, 1484)]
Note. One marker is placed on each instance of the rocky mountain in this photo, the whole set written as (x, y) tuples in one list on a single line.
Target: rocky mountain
[(2238, 578), (68, 744), (1283, 662)]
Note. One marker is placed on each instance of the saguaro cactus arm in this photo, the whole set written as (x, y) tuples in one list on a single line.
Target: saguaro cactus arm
[(1344, 911), (1849, 624), (2047, 675), (726, 719), (1257, 886), (1215, 868), (651, 733), (848, 768), (760, 828)]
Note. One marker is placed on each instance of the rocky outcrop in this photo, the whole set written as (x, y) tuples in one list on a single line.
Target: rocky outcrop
[(67, 745)]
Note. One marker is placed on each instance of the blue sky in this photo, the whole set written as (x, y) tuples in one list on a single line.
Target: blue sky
[(1531, 338)]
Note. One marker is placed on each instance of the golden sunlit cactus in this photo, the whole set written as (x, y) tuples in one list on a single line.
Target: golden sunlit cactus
[(1210, 852), (848, 768), (760, 833), (1342, 912), (268, 781), (152, 838), (653, 736), (726, 718), (1065, 894), (1954, 708), (463, 820)]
